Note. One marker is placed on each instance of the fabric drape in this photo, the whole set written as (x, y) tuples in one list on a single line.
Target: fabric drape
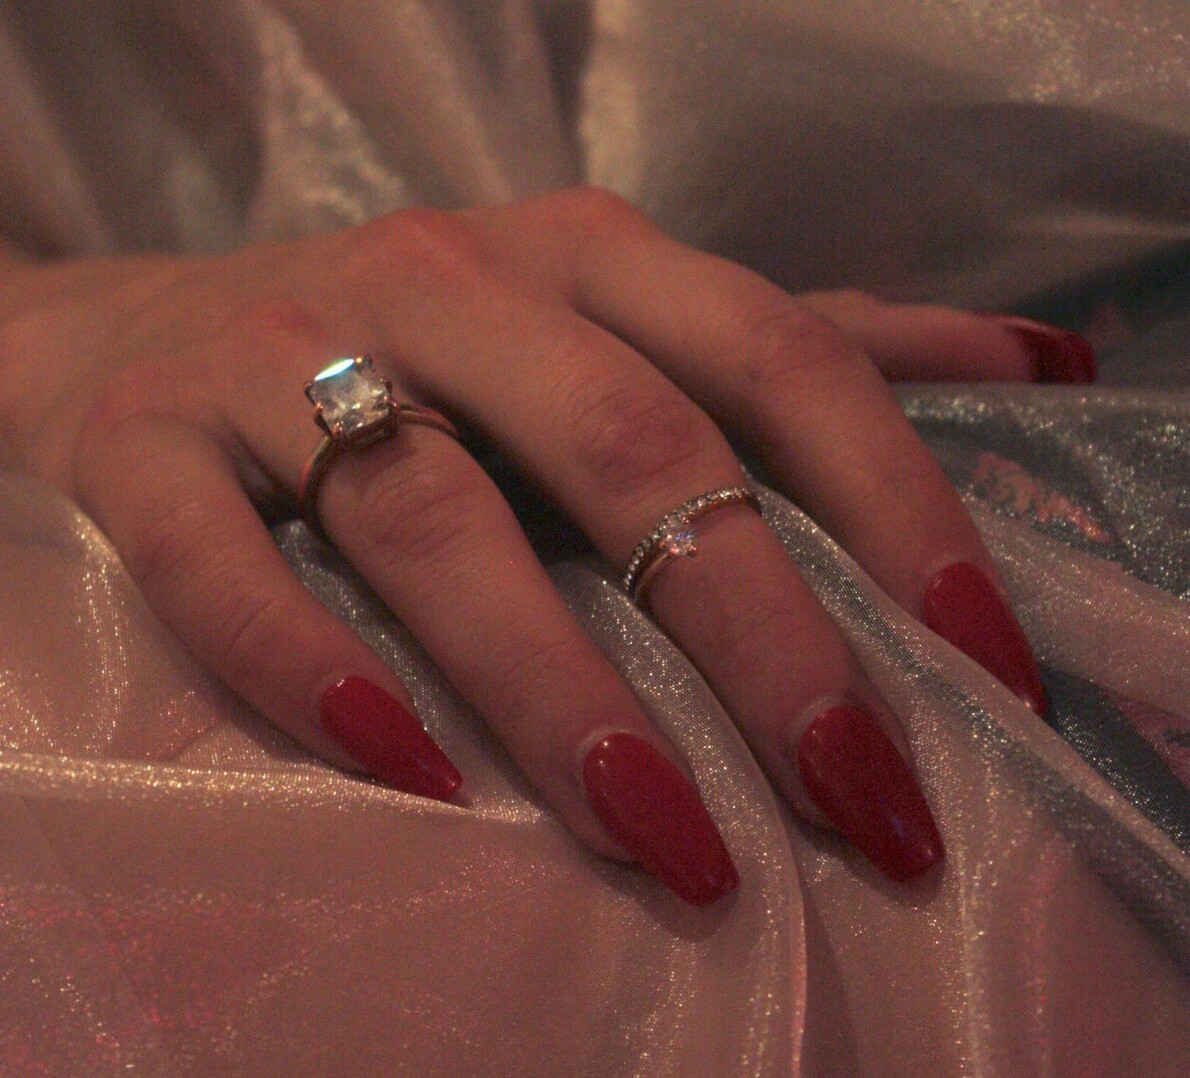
[(184, 891)]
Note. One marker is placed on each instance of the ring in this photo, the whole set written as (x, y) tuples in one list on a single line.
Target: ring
[(354, 407), (675, 537)]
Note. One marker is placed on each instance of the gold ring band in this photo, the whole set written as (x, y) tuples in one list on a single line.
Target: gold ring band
[(355, 409), (674, 537)]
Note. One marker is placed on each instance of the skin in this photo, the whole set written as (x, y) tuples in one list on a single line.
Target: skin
[(602, 358)]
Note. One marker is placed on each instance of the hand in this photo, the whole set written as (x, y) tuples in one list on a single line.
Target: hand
[(602, 359)]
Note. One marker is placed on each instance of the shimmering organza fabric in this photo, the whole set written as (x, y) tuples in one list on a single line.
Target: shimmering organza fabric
[(184, 891)]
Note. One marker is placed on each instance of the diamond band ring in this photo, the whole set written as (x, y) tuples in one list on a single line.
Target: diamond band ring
[(354, 407), (675, 537)]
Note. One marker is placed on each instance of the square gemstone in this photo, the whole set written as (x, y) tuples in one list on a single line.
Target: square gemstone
[(678, 541), (353, 397)]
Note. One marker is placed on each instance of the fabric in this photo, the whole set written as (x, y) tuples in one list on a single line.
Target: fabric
[(183, 891)]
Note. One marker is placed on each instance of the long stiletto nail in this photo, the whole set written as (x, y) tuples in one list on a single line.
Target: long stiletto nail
[(962, 606), (1059, 356), (862, 785), (386, 740), (649, 808)]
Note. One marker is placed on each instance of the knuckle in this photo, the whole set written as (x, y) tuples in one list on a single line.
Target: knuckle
[(525, 678), (128, 394), (254, 628), (419, 509), (274, 329), (112, 407), (627, 437), (581, 225), (181, 545), (163, 545), (598, 210), (132, 406), (430, 243), (856, 297), (780, 341), (756, 626), (33, 392), (571, 231)]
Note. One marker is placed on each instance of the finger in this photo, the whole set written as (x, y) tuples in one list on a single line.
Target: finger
[(908, 342), (928, 343), (817, 410), (779, 666), (428, 530), (602, 432), (616, 445), (170, 502)]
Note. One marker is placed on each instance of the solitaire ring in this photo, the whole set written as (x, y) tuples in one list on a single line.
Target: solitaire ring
[(675, 537), (354, 408)]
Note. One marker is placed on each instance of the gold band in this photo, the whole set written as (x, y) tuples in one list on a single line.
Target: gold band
[(674, 537), (355, 408)]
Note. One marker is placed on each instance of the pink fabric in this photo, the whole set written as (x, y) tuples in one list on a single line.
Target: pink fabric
[(184, 891)]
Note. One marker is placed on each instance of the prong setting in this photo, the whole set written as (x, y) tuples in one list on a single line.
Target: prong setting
[(352, 401), (675, 537)]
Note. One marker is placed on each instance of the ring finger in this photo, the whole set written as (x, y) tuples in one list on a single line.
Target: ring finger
[(429, 531), (816, 409), (617, 446)]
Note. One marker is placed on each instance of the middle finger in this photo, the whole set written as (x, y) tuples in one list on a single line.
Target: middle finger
[(617, 446), (429, 531)]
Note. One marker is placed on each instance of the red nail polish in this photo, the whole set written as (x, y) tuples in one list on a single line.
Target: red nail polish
[(862, 785), (962, 606), (649, 808), (386, 740), (1059, 356)]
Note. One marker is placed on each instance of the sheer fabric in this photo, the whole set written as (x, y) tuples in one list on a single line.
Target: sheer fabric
[(184, 891)]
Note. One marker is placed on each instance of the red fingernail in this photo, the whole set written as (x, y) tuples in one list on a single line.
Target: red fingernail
[(1059, 356), (962, 606), (857, 778), (386, 740), (649, 808)]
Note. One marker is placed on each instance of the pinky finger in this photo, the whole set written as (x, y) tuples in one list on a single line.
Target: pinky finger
[(209, 570), (941, 344)]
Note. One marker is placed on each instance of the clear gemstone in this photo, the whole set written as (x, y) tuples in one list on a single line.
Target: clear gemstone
[(678, 540), (352, 395)]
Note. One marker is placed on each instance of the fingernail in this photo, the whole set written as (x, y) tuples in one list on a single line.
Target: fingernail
[(386, 740), (962, 606), (1059, 356), (862, 785), (649, 807)]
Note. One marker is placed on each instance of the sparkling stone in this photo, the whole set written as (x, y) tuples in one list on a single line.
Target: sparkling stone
[(352, 395), (678, 541)]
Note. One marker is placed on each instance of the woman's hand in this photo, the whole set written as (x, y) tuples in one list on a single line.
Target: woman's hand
[(605, 361)]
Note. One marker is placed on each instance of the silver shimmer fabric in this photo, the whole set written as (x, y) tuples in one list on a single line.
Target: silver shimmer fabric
[(184, 891)]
